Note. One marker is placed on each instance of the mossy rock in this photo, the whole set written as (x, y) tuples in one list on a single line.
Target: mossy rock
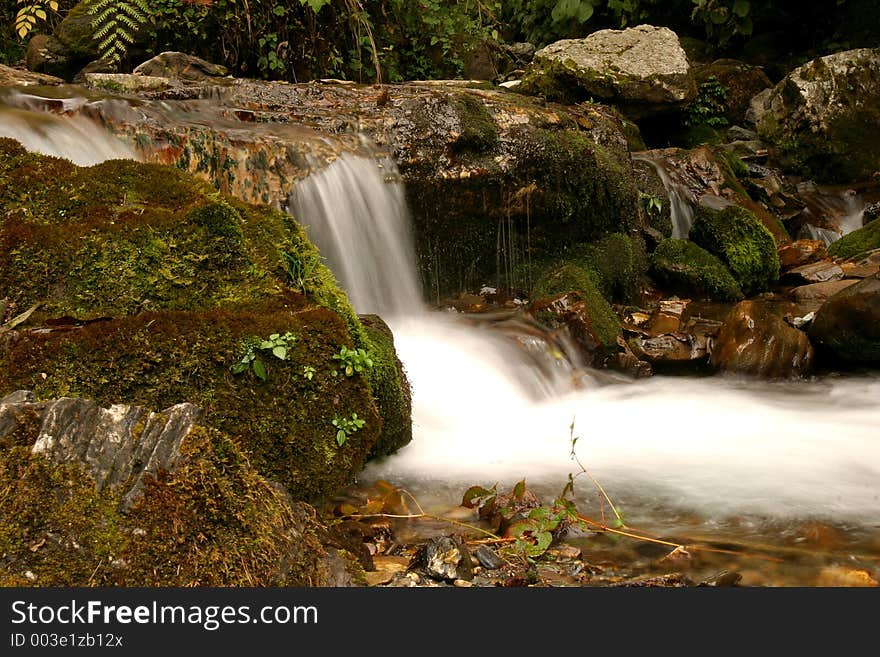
[(390, 388), (567, 277), (180, 277), (741, 242), (212, 522), (618, 264), (284, 424), (847, 326), (857, 242), (684, 268), (478, 130)]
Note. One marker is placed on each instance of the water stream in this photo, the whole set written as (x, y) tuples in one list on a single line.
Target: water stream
[(721, 456)]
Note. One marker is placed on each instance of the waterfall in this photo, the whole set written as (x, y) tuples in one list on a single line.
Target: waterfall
[(360, 223), (74, 138), (681, 210)]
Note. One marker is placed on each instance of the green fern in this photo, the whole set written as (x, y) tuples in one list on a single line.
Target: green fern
[(116, 23)]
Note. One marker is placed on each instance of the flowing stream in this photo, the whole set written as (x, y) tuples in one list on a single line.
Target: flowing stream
[(719, 456)]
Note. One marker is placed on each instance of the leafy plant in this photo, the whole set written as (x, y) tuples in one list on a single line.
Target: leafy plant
[(353, 361), (300, 268), (652, 205), (31, 11), (709, 106), (346, 427), (277, 345), (308, 372), (116, 24)]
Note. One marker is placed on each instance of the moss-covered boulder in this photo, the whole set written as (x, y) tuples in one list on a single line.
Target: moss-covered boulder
[(682, 267), (823, 117), (390, 388), (618, 264), (866, 238), (210, 520), (741, 242), (847, 326), (741, 82), (566, 295), (165, 287)]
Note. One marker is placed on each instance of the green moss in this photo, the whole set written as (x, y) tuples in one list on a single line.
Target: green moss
[(390, 388), (741, 242), (478, 130), (566, 277), (618, 263), (684, 268), (857, 242), (161, 359), (219, 219), (213, 522)]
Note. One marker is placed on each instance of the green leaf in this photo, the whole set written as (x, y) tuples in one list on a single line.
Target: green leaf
[(476, 493), (260, 369), (544, 540), (741, 8), (520, 489), (238, 368), (341, 437), (280, 353)]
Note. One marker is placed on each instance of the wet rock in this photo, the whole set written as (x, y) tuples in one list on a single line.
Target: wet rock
[(862, 266), (800, 322), (741, 242), (180, 65), (822, 119), (817, 272), (120, 444), (755, 341), (13, 77), (488, 559), (46, 55), (664, 349), (872, 211), (125, 83), (343, 570), (683, 267), (649, 183), (387, 567), (673, 580), (742, 82), (445, 559), (666, 317), (801, 252), (820, 291), (848, 324), (642, 70)]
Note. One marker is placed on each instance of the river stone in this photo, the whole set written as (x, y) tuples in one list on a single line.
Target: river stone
[(820, 291), (120, 444), (488, 559), (823, 117), (817, 272), (446, 559), (179, 65), (848, 324), (643, 70), (755, 341), (801, 252), (46, 55), (13, 77)]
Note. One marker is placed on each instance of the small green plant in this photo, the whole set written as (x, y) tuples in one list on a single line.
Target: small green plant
[(346, 427), (300, 267), (308, 372), (116, 24), (708, 107), (277, 345), (353, 361), (29, 12), (652, 205)]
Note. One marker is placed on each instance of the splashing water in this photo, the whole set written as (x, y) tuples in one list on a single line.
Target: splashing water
[(483, 414)]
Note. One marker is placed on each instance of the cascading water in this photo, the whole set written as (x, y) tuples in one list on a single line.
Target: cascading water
[(681, 210), (71, 137), (718, 446)]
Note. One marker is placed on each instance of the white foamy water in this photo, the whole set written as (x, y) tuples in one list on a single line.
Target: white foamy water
[(681, 210), (74, 138)]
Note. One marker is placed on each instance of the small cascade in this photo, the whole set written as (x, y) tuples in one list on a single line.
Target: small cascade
[(360, 223), (74, 138), (831, 214), (682, 211)]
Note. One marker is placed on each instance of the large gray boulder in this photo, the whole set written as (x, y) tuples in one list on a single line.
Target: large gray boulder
[(824, 117), (643, 70)]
